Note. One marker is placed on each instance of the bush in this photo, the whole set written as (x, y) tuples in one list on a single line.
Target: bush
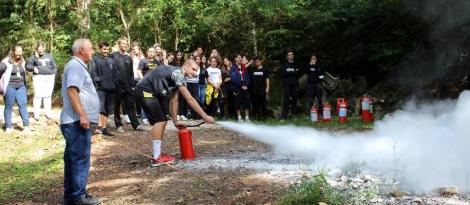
[(312, 191)]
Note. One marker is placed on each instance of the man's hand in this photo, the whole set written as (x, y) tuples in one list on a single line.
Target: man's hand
[(244, 87), (84, 123), (179, 125), (36, 70), (209, 119)]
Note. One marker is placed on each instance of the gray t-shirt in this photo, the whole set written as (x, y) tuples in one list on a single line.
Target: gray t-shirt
[(76, 75)]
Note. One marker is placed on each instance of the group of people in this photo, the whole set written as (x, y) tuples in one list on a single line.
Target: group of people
[(157, 94), (219, 86), (149, 89), (13, 70)]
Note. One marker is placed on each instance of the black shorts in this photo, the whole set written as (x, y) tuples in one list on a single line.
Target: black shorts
[(242, 99), (156, 108), (106, 102)]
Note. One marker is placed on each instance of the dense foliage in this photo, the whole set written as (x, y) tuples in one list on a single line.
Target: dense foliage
[(407, 41)]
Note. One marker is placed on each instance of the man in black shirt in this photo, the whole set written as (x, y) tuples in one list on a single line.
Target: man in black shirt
[(148, 63), (154, 92), (259, 88), (104, 76), (125, 87), (290, 75), (315, 75)]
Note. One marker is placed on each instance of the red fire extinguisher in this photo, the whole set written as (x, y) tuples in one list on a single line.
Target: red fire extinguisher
[(327, 112), (186, 144), (366, 108), (314, 114), (338, 102), (342, 110)]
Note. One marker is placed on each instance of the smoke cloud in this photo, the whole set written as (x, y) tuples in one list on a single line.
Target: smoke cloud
[(428, 146)]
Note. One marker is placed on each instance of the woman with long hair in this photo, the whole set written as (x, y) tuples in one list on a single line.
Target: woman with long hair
[(179, 59), (43, 66), (137, 55), (202, 80), (13, 87), (227, 88), (170, 57)]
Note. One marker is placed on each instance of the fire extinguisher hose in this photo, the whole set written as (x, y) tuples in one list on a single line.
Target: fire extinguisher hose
[(196, 125)]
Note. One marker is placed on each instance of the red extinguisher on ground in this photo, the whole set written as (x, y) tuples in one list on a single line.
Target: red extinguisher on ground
[(342, 110), (314, 114), (366, 108), (327, 112), (186, 142)]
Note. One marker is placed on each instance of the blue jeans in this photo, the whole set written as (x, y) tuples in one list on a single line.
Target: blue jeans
[(76, 159), (17, 95), (202, 94)]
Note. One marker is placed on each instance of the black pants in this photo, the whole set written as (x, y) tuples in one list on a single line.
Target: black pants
[(229, 102), (138, 106), (315, 91), (214, 106), (259, 104), (126, 99), (186, 109), (289, 100)]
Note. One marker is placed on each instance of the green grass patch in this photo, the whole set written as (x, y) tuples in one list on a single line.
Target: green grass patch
[(30, 164), (312, 191), (353, 123), (316, 189)]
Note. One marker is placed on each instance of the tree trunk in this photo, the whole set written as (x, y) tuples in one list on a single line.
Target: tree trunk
[(51, 26), (254, 40), (158, 31), (176, 39), (126, 26), (83, 14)]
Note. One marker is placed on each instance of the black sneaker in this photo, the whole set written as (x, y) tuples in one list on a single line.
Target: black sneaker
[(87, 199), (105, 132)]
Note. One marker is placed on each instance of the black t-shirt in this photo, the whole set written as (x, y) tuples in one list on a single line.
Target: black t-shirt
[(17, 78), (202, 76), (146, 65), (315, 74), (162, 81), (290, 73), (258, 77)]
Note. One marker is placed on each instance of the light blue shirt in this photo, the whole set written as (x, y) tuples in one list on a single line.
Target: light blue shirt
[(76, 75)]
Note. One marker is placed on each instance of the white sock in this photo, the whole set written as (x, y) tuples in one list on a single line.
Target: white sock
[(247, 118), (239, 117), (156, 148)]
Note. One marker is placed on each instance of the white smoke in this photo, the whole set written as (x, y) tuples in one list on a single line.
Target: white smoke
[(427, 145)]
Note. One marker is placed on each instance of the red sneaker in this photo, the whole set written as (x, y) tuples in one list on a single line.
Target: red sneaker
[(163, 159)]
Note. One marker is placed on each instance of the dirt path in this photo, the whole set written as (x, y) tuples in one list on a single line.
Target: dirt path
[(229, 169)]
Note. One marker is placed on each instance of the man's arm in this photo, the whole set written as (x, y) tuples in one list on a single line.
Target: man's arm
[(174, 106), (74, 97)]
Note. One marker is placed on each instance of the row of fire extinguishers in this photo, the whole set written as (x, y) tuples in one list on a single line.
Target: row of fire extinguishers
[(342, 110)]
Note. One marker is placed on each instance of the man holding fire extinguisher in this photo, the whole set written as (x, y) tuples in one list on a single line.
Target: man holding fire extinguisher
[(159, 90)]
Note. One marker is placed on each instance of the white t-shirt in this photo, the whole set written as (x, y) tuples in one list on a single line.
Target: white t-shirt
[(214, 75)]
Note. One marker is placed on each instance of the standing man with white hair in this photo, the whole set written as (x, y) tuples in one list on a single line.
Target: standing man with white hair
[(81, 107)]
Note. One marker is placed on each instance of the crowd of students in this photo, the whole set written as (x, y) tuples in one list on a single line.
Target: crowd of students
[(225, 87), (221, 87)]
